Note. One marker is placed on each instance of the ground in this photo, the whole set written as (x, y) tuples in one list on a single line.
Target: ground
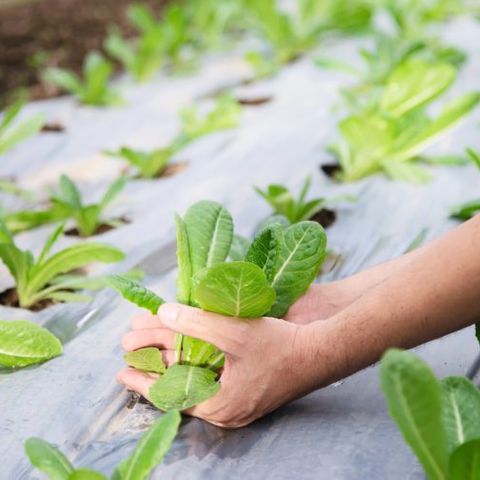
[(36, 33)]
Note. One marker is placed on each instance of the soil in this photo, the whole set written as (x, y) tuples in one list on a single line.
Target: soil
[(254, 101), (331, 169), (172, 169), (325, 217), (9, 298), (53, 127), (35, 34), (102, 228)]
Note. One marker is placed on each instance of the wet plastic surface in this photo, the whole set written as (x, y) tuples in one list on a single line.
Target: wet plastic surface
[(342, 432)]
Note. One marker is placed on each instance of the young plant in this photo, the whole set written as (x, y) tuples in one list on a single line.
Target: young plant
[(67, 204), (391, 134), (147, 164), (42, 279), (469, 209), (278, 268), (145, 56), (24, 343), (94, 89), (149, 452), (297, 210), (440, 420), (388, 53), (291, 35), (13, 132), (224, 115)]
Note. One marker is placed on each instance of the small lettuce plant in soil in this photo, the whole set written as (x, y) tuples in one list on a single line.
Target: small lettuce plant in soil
[(439, 419), (467, 210), (224, 115), (49, 278), (13, 131), (278, 267), (66, 204), (94, 88), (295, 210), (290, 34), (391, 131), (148, 453)]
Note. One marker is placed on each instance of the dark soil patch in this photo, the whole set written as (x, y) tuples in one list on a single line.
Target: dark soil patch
[(331, 169), (53, 127), (39, 33), (254, 101), (172, 169), (325, 217), (102, 228), (9, 298)]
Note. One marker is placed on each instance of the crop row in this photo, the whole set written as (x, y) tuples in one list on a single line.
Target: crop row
[(385, 128)]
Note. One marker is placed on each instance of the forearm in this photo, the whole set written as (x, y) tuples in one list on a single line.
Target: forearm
[(434, 294)]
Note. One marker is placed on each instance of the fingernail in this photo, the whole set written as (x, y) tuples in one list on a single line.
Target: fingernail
[(168, 313)]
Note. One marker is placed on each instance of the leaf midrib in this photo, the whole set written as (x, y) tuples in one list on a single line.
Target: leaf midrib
[(287, 261), (415, 430)]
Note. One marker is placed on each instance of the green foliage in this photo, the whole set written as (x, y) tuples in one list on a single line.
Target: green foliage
[(24, 343), (67, 204), (149, 452), (13, 132), (235, 289), (147, 164), (276, 269), (391, 134), (146, 359), (284, 203), (183, 386), (42, 278), (135, 293), (94, 88), (290, 34), (152, 448), (225, 114), (439, 420), (467, 210)]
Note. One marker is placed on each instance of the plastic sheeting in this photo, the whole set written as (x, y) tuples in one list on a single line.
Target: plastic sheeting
[(342, 432)]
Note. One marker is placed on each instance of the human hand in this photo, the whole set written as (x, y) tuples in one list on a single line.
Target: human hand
[(268, 362)]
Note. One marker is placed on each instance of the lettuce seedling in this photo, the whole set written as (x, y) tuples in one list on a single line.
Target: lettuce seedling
[(289, 35), (42, 278), (391, 134), (67, 204), (13, 132), (225, 114), (145, 56), (149, 452), (147, 164), (278, 268), (24, 343), (469, 209), (297, 210), (440, 420), (94, 88)]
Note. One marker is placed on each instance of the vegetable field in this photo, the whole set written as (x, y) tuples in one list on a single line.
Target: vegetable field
[(120, 169)]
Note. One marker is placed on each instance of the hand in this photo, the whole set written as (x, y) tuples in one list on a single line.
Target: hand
[(267, 361)]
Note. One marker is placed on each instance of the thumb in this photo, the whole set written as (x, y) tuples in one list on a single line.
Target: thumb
[(229, 334)]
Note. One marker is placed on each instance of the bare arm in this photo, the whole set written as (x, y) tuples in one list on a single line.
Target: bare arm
[(434, 293), (269, 362)]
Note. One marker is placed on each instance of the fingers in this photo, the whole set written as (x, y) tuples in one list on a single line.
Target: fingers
[(146, 320), (137, 381), (226, 333), (152, 337)]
